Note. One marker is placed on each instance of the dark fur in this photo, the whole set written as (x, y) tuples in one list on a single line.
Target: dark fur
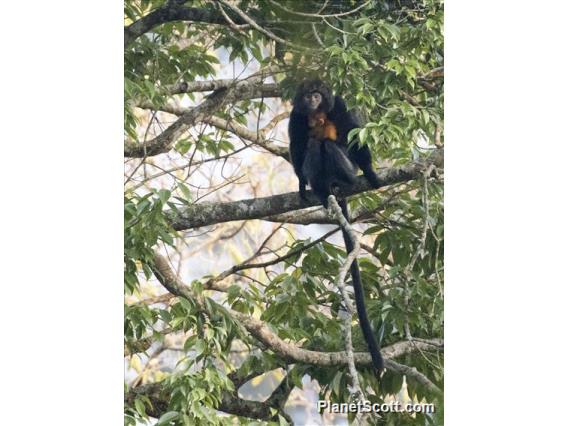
[(344, 121), (327, 165), (309, 86), (324, 164)]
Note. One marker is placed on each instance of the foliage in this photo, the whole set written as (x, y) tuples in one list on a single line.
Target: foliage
[(383, 59), (144, 226)]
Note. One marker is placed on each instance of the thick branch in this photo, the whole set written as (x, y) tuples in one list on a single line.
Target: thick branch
[(241, 89), (171, 12), (267, 90), (175, 11), (203, 214), (318, 215)]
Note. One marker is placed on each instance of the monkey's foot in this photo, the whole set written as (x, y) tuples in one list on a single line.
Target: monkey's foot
[(373, 180)]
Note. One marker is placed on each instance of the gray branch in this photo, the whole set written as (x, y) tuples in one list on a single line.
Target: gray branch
[(289, 351), (241, 89), (355, 391), (267, 90), (231, 126), (171, 12), (243, 132), (204, 214)]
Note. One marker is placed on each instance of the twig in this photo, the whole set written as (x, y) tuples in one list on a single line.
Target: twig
[(253, 24), (318, 15), (337, 29), (317, 37), (213, 283)]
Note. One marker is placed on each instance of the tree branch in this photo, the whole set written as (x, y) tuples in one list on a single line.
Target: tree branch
[(171, 12), (241, 89), (245, 133), (253, 24), (267, 90), (318, 15), (264, 334), (318, 215), (203, 214), (233, 127), (355, 391), (415, 374)]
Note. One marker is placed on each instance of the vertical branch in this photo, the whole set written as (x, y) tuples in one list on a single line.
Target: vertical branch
[(356, 392)]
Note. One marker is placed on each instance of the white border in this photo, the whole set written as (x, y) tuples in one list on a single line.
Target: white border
[(61, 236), (506, 286)]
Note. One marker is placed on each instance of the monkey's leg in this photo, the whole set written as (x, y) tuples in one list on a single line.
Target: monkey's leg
[(361, 155), (340, 167), (314, 169), (371, 176), (302, 188)]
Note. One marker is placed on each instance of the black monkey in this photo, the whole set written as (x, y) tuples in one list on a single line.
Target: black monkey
[(314, 96), (326, 163)]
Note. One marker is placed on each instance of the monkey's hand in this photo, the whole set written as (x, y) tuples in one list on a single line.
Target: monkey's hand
[(372, 178)]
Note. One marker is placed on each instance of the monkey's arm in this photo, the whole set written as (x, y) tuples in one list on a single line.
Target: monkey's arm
[(346, 121), (330, 131), (298, 131)]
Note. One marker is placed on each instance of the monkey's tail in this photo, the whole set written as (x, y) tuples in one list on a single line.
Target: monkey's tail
[(368, 333)]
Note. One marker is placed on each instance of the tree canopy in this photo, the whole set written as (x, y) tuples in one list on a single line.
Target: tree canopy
[(231, 302)]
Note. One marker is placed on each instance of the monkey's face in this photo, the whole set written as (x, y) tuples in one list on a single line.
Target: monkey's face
[(312, 101), (317, 119)]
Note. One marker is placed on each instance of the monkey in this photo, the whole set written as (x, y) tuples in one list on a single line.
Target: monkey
[(325, 163), (321, 157), (314, 96), (320, 127)]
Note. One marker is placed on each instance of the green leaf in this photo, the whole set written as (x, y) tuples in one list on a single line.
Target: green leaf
[(140, 407), (168, 417)]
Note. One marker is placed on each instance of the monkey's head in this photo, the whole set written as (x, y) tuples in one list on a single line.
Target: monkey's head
[(313, 95), (317, 119)]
